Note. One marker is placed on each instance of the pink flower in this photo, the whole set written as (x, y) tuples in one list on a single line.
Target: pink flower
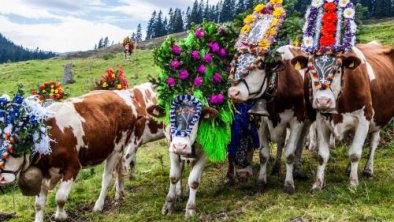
[(220, 98), (214, 46), (217, 77), (213, 99), (199, 33), (223, 52), (175, 64), (170, 81), (202, 69), (208, 58), (196, 54), (184, 74), (198, 81), (176, 50)]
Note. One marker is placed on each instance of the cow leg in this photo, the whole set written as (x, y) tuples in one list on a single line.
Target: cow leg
[(110, 164), (41, 199), (178, 188), (291, 145), (323, 135), (175, 176), (312, 144), (277, 163), (61, 198), (264, 158), (299, 150), (355, 150), (194, 182), (130, 159), (119, 188), (375, 139)]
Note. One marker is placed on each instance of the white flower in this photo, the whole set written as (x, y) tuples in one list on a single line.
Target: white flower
[(329, 1), (353, 26), (349, 13), (343, 3), (317, 3), (308, 41)]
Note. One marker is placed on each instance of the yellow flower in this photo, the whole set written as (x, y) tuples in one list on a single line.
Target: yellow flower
[(259, 8), (56, 91), (113, 75), (276, 2), (272, 32), (52, 90), (249, 19), (278, 12), (264, 44), (43, 91), (119, 86), (52, 86), (50, 94), (275, 22), (245, 29), (104, 84)]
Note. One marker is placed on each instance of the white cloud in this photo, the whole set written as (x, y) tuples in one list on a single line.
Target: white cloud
[(69, 35)]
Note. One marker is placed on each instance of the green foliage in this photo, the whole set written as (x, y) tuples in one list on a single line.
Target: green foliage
[(108, 56)]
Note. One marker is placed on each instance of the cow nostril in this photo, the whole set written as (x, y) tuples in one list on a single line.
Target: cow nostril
[(237, 94)]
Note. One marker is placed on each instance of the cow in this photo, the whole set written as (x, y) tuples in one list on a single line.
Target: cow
[(86, 131), (185, 148), (356, 100), (286, 110)]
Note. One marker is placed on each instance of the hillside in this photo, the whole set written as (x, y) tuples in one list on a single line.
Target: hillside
[(10, 52), (372, 201)]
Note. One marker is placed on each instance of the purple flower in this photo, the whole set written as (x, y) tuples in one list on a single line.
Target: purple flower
[(220, 98), (208, 58), (202, 69), (199, 33), (170, 81), (176, 50), (198, 81), (217, 77), (214, 46), (223, 52), (184, 74), (196, 54), (228, 68), (175, 64), (213, 99)]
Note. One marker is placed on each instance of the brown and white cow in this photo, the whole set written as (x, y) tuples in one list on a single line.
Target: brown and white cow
[(87, 131), (181, 149), (360, 99), (286, 110)]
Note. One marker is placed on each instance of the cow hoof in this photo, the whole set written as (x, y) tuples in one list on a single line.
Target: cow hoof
[(98, 207), (190, 211), (168, 208), (261, 186), (289, 188), (353, 183), (368, 174), (60, 216), (315, 189)]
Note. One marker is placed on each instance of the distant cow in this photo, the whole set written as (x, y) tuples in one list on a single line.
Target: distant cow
[(287, 109), (86, 131), (184, 147), (359, 99)]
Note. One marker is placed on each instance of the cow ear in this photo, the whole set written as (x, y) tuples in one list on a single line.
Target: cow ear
[(351, 62), (209, 113), (278, 66), (156, 111), (300, 62)]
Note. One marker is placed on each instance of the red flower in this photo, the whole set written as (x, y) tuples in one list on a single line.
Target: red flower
[(329, 29), (34, 92), (330, 17), (51, 97), (41, 98), (42, 87), (331, 7), (326, 41)]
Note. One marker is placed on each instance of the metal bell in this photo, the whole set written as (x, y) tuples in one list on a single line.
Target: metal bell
[(260, 108)]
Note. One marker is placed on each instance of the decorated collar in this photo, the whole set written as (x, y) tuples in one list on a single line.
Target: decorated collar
[(188, 109), (257, 35), (329, 27)]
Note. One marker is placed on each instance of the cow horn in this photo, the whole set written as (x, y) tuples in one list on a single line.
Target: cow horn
[(30, 181)]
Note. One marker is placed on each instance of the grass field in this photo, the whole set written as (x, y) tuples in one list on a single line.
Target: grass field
[(372, 201)]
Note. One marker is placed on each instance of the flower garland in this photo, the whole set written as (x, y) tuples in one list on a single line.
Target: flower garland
[(49, 90), (199, 66), (113, 80), (257, 36), (22, 128), (327, 23)]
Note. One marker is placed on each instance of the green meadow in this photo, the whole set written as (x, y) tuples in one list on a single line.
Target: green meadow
[(373, 200)]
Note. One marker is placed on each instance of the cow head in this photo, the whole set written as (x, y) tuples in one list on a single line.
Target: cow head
[(11, 167), (185, 114), (254, 84), (326, 73)]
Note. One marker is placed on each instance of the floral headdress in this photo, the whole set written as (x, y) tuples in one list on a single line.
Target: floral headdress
[(256, 38), (22, 127), (114, 80), (49, 91), (329, 27), (199, 66)]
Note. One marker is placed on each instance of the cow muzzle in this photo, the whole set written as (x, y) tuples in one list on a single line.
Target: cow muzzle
[(244, 174), (6, 178), (180, 146)]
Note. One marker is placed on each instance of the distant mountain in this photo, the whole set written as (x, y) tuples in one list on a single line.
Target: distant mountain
[(9, 52)]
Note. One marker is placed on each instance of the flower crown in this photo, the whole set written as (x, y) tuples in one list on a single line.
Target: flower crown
[(256, 38), (329, 27)]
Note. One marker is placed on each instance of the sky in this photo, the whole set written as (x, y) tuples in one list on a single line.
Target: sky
[(74, 25)]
